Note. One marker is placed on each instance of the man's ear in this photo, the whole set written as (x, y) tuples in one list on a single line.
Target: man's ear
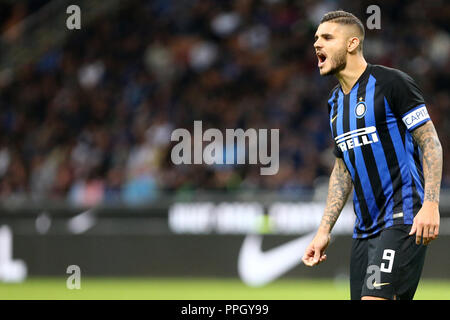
[(352, 44)]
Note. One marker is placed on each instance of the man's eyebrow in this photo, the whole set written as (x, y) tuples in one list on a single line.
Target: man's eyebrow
[(323, 35)]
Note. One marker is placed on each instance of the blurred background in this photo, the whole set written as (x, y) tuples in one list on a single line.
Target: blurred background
[(86, 116)]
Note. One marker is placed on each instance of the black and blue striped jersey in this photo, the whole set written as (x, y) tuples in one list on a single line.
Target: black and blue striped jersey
[(371, 127)]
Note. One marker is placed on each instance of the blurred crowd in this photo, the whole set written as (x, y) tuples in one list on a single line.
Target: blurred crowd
[(90, 122), (12, 12)]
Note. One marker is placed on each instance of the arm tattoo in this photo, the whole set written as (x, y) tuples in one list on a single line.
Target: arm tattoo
[(428, 141), (338, 191)]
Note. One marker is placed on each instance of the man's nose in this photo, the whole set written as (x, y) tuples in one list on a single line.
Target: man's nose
[(317, 44)]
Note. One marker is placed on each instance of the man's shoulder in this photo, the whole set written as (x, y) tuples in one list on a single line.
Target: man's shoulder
[(383, 73), (333, 92), (332, 96)]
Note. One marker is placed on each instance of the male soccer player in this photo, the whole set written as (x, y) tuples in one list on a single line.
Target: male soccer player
[(387, 148)]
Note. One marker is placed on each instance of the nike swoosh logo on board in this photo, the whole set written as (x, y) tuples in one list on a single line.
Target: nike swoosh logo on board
[(257, 268)]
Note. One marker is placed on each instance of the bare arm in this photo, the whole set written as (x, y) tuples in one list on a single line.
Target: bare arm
[(338, 191), (339, 188), (428, 141), (426, 222)]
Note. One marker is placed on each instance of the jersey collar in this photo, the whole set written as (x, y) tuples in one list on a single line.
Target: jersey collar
[(361, 78)]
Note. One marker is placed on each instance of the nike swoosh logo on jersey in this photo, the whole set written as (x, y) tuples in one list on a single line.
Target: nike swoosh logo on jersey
[(375, 284), (257, 268)]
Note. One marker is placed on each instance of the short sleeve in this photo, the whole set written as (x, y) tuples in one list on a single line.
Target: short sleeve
[(406, 101), (337, 152)]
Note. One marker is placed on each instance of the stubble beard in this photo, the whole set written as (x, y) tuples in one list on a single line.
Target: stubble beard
[(338, 63)]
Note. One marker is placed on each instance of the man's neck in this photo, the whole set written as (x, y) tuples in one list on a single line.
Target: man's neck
[(353, 70)]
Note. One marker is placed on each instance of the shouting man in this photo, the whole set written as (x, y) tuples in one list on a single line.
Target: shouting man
[(387, 148)]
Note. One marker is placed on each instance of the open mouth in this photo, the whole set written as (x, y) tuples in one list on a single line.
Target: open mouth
[(322, 58)]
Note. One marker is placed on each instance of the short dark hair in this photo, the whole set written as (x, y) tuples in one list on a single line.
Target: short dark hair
[(347, 18)]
